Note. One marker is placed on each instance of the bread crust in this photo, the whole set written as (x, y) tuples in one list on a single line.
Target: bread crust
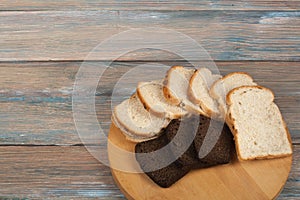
[(144, 102), (212, 89), (288, 134), (148, 107), (123, 126), (228, 100), (128, 135), (231, 124), (214, 95), (166, 89), (208, 111), (192, 97), (174, 100)]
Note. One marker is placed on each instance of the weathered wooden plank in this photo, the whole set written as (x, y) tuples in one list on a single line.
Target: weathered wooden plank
[(52, 123), (36, 98), (149, 5), (226, 35), (58, 77), (54, 172), (71, 172)]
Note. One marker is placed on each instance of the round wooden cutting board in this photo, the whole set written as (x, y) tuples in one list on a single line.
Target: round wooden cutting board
[(258, 179)]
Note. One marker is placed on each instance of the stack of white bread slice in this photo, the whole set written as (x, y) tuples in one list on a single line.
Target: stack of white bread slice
[(248, 109)]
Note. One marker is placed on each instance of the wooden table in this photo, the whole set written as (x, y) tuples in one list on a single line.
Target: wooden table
[(43, 43)]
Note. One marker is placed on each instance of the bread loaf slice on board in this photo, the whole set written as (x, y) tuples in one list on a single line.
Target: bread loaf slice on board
[(152, 96), (165, 176), (257, 125), (198, 92), (222, 86), (176, 86), (129, 136), (136, 120)]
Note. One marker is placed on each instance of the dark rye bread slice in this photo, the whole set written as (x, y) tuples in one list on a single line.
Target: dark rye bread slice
[(188, 160), (165, 176), (222, 150), (197, 127), (185, 130)]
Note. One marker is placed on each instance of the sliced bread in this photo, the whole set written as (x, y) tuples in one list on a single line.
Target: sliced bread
[(131, 116), (152, 96), (213, 142), (257, 125), (218, 143), (176, 86), (183, 146), (198, 92), (128, 135), (222, 86), (166, 176)]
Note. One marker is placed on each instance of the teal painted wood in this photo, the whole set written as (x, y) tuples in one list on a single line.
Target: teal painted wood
[(54, 172), (36, 98), (72, 173), (226, 35), (148, 5)]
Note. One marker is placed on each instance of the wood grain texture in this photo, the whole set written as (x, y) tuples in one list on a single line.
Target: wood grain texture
[(54, 172), (148, 5), (261, 179), (36, 98), (36, 101), (71, 172), (226, 35)]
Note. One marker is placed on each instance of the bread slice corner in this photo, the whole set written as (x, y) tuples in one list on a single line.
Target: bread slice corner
[(257, 124), (221, 87)]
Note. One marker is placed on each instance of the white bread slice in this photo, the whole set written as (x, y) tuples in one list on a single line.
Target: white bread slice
[(256, 123), (152, 96), (176, 86), (200, 84), (222, 86), (139, 124), (129, 136)]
